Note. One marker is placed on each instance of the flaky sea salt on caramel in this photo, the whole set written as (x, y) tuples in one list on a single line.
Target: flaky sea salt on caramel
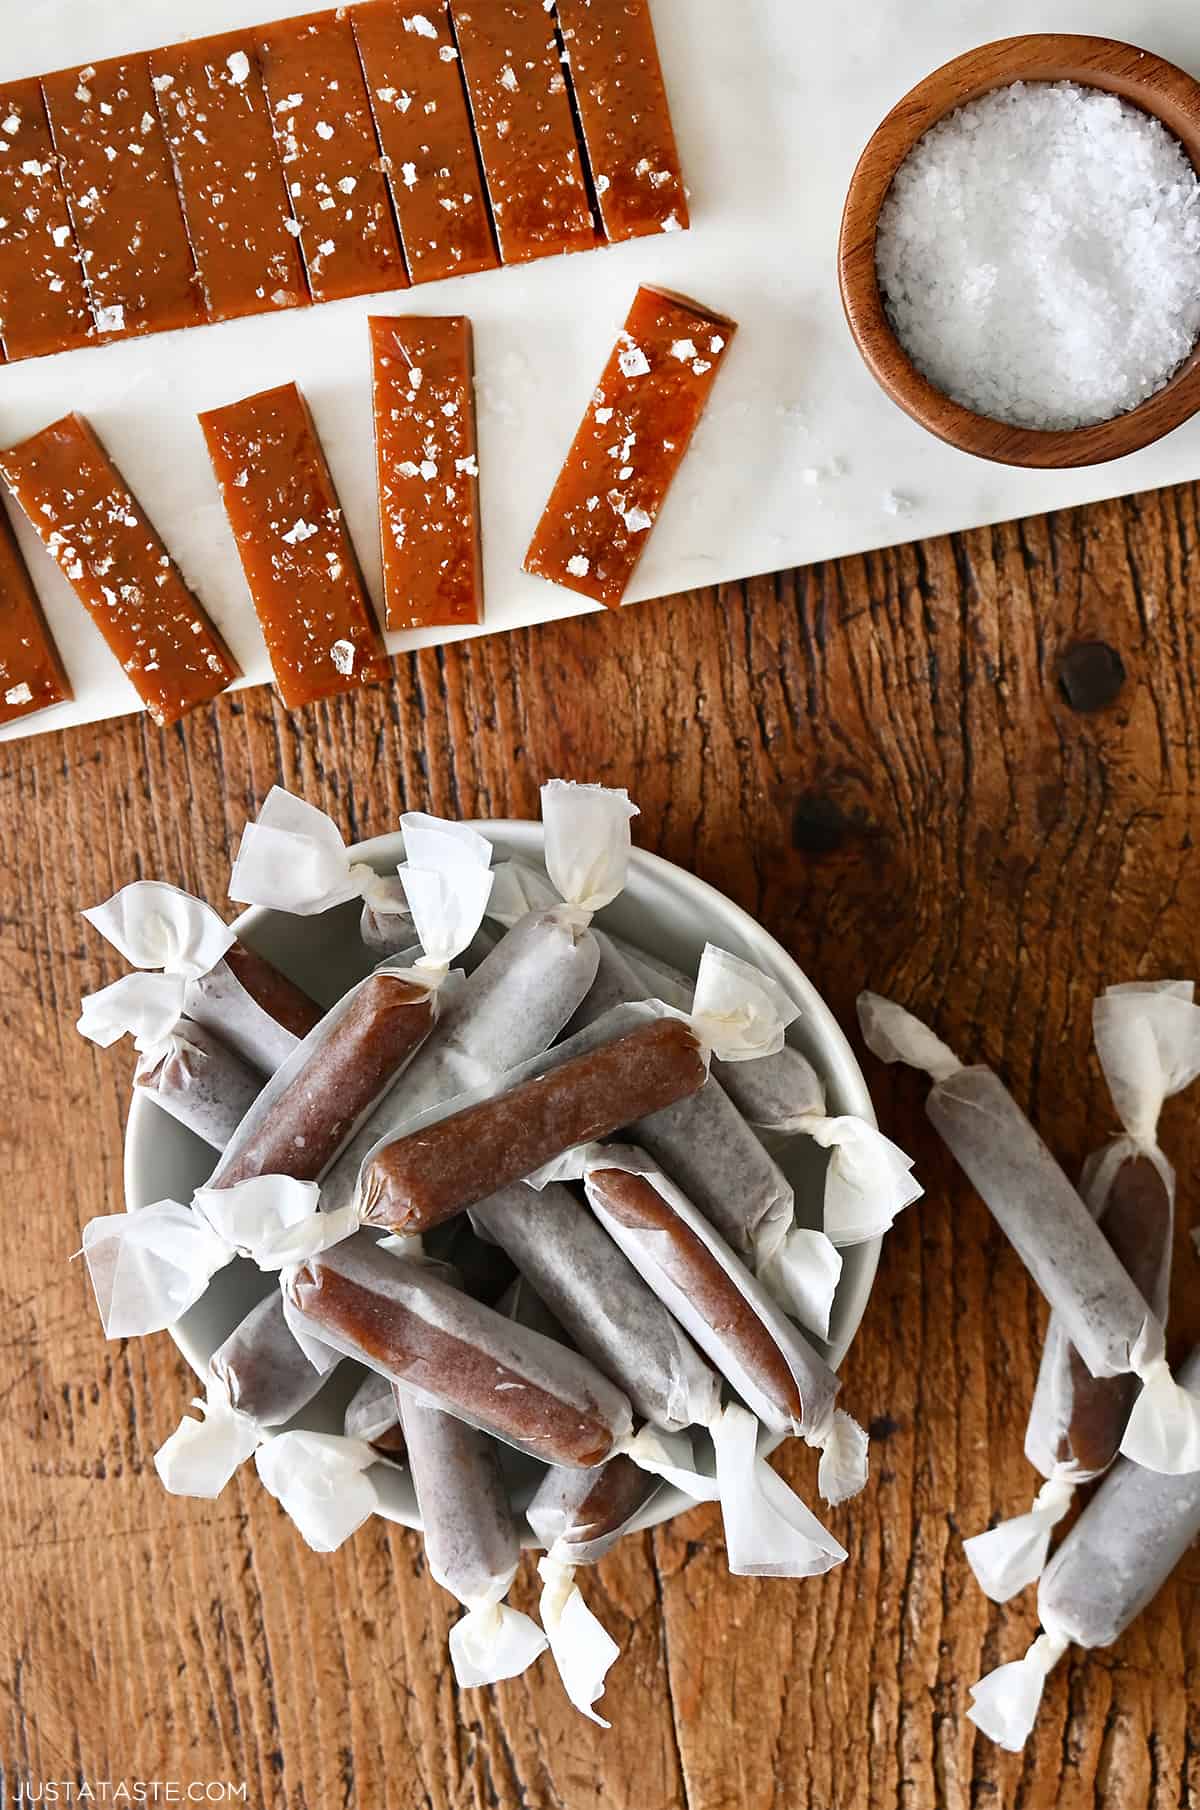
[(632, 441), (331, 162), (428, 469), (214, 111), (31, 671), (414, 80), (95, 529), (44, 305), (299, 563), (120, 188)]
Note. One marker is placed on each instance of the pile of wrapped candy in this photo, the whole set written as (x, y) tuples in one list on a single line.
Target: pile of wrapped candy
[(524, 1177), (1106, 1405)]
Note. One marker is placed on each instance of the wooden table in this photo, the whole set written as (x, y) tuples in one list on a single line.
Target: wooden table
[(880, 759)]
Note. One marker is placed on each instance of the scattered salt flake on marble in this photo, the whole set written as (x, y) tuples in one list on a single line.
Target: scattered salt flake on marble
[(238, 65), (811, 474), (342, 654), (896, 503), (18, 694), (300, 531), (111, 320), (579, 565)]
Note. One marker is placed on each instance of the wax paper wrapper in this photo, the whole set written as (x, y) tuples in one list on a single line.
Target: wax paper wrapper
[(193, 1076), (172, 938), (323, 1482)]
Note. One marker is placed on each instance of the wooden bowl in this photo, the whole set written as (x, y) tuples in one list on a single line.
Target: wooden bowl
[(1136, 75)]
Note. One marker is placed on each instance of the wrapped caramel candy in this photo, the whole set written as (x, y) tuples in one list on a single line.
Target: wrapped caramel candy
[(315, 1103), (406, 1322), (631, 1063), (193, 1076), (471, 1541), (1099, 1306), (1123, 1548), (373, 1414), (1148, 1042)]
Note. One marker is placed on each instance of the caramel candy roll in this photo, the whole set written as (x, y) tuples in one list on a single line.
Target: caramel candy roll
[(255, 1009), (373, 1414), (629, 447), (120, 186), (44, 304), (579, 1516), (618, 82), (264, 1370), (95, 529), (214, 112), (32, 675), (426, 450), (300, 566), (411, 1326), (584, 1089), (524, 128), (200, 1082), (331, 162), (415, 85)]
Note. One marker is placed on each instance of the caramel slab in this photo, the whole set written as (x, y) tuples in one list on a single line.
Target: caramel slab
[(32, 676), (299, 563), (44, 304), (331, 161), (420, 105), (95, 529), (428, 470), (629, 447), (524, 127), (214, 112), (617, 77), (120, 187)]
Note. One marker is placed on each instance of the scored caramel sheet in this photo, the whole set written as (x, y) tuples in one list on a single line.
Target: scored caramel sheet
[(618, 84), (92, 525), (629, 446), (32, 675), (297, 557), (415, 85), (214, 111), (428, 470), (524, 127), (331, 161), (44, 304), (120, 187)]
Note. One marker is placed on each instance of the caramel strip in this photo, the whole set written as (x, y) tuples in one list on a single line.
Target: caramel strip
[(686, 1261), (120, 188), (32, 675), (1137, 1222), (265, 1371), (331, 161), (299, 563), (202, 1083), (428, 470), (416, 91), (279, 997), (524, 128), (405, 1322), (44, 304), (581, 1514), (214, 112), (303, 1130), (629, 447), (80, 506), (419, 1180), (617, 77)]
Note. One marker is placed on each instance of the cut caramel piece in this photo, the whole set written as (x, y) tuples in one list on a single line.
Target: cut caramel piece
[(428, 470), (420, 106), (525, 128), (331, 162), (32, 675), (214, 112), (120, 187), (299, 563), (631, 443), (44, 304), (97, 532)]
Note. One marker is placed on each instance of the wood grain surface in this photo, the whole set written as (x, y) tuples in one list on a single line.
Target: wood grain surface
[(887, 761)]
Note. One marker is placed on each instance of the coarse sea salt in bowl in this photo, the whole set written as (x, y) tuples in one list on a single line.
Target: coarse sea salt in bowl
[(1075, 288), (664, 910)]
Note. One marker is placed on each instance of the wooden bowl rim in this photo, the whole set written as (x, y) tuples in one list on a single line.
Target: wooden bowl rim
[(1136, 75)]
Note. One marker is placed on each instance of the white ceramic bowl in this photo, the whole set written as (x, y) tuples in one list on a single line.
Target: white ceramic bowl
[(663, 910)]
